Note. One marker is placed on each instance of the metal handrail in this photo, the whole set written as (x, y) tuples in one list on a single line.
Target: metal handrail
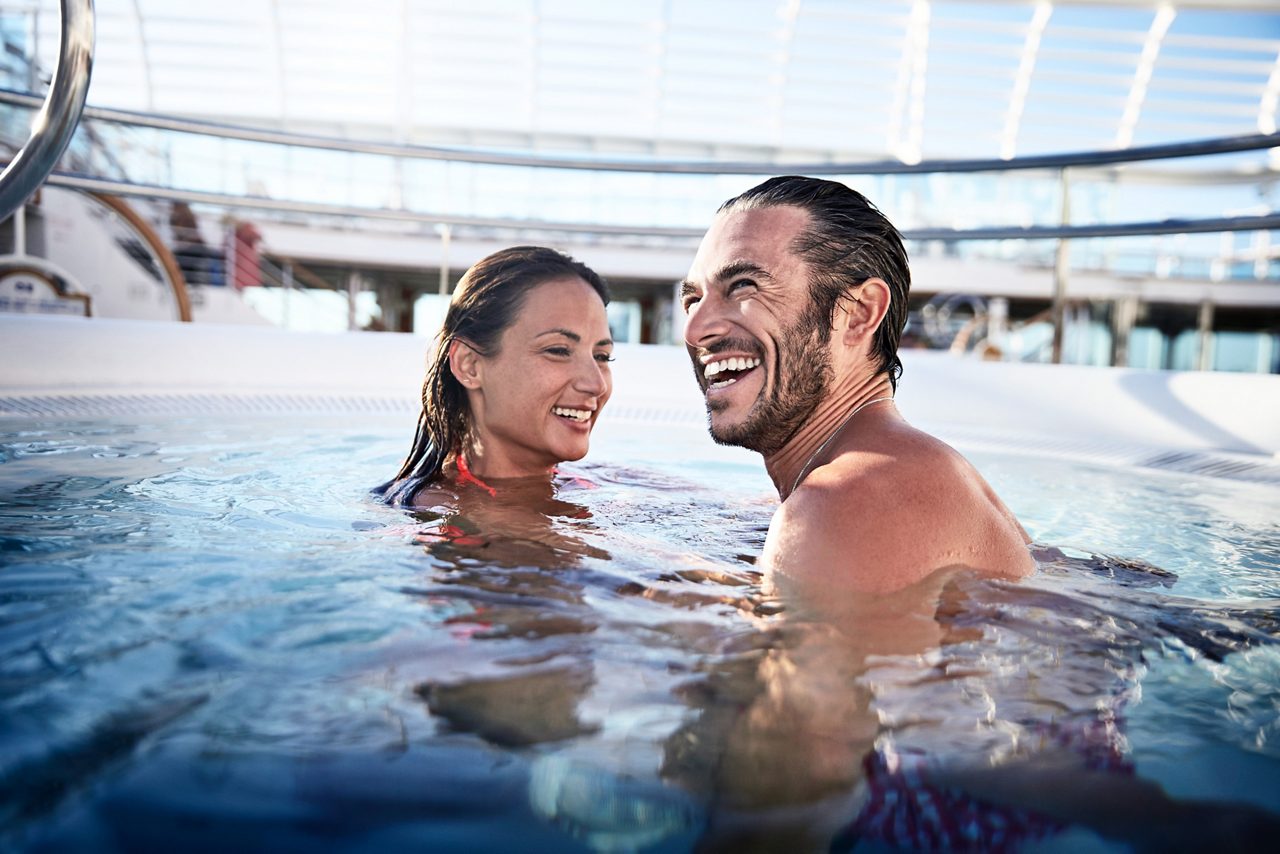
[(1167, 151), (53, 126), (1252, 222)]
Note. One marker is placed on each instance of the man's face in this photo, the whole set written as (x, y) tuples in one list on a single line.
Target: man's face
[(761, 363)]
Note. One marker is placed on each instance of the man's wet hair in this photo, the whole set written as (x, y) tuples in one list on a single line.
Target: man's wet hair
[(848, 241)]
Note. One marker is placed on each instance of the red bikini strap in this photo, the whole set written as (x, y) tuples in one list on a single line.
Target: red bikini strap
[(465, 476)]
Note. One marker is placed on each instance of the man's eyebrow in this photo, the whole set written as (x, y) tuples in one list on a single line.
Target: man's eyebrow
[(732, 270)]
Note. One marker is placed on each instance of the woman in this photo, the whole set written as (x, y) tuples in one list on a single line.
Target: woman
[(519, 377)]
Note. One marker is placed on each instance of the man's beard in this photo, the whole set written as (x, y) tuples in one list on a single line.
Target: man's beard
[(801, 377)]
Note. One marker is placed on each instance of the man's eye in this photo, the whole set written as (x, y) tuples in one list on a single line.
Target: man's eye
[(688, 302), (740, 284)]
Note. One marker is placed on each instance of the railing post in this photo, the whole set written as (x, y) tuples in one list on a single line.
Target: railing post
[(1124, 316), (1061, 264), (353, 290), (229, 259), (20, 230), (288, 292), (446, 233), (54, 125), (1204, 335)]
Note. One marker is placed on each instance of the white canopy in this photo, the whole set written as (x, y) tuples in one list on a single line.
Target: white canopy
[(757, 79)]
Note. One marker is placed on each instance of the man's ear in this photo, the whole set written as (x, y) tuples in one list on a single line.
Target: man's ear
[(861, 312), (465, 364)]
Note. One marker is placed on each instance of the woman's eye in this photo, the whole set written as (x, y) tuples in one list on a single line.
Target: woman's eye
[(604, 357), (557, 351)]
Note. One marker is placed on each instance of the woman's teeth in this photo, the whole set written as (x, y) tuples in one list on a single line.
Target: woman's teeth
[(575, 414)]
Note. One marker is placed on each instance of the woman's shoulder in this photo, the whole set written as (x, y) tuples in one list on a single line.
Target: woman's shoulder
[(404, 492)]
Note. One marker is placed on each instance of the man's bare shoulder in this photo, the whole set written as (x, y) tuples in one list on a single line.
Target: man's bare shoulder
[(893, 511), (901, 471)]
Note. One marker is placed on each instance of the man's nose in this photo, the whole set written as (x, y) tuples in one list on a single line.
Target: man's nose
[(706, 324)]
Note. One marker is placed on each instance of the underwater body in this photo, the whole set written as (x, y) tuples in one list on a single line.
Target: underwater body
[(212, 636)]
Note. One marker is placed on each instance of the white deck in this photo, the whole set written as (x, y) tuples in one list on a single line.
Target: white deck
[(69, 367)]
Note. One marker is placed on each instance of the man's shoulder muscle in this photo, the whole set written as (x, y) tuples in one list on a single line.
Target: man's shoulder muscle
[(846, 521), (889, 518)]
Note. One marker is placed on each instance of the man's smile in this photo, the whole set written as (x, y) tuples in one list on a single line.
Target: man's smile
[(727, 370)]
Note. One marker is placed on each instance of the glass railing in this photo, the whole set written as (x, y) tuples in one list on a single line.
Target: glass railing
[(997, 213), (1199, 211)]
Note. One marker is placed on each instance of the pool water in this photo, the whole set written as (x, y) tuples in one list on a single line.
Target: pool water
[(211, 637)]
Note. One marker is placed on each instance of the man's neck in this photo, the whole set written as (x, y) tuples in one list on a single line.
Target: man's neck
[(827, 418)]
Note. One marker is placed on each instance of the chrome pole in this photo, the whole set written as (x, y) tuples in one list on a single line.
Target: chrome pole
[(54, 125)]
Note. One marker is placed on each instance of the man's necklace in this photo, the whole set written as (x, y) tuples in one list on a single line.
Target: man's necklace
[(836, 432)]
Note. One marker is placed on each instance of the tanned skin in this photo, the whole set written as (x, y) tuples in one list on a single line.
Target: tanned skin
[(881, 506)]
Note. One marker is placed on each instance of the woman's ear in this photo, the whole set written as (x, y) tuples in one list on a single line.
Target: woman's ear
[(860, 313), (465, 364)]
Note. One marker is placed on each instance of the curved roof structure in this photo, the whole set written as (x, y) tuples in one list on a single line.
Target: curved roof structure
[(750, 79)]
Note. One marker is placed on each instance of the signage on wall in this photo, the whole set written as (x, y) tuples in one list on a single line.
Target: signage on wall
[(27, 291)]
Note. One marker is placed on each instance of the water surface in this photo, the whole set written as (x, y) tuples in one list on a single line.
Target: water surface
[(211, 637)]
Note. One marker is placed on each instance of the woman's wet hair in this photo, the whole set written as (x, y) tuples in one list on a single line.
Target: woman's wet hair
[(486, 302), (847, 242)]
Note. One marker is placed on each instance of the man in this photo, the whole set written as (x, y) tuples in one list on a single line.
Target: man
[(796, 301)]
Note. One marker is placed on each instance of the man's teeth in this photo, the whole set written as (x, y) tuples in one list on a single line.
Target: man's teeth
[(575, 414), (735, 364)]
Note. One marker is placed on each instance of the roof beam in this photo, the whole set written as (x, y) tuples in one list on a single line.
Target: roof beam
[(1142, 76), (906, 128), (146, 57), (1022, 81), (1270, 97), (786, 43)]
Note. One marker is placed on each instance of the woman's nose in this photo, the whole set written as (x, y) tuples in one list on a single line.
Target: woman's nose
[(591, 378)]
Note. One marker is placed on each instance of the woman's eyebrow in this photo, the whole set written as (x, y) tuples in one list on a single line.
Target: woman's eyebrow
[(575, 337), (572, 336)]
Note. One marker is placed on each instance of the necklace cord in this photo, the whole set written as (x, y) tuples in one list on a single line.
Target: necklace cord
[(804, 470)]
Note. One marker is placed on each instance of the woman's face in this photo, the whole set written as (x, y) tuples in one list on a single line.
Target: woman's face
[(535, 401)]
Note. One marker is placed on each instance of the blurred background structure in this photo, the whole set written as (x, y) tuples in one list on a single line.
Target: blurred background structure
[(326, 165)]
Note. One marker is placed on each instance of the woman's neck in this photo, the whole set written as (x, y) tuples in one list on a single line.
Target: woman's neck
[(493, 461), (474, 469)]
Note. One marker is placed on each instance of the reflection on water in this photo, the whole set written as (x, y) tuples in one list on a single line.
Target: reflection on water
[(208, 635)]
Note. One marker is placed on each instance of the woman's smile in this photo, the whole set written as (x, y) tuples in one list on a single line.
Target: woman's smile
[(553, 359), (526, 333)]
